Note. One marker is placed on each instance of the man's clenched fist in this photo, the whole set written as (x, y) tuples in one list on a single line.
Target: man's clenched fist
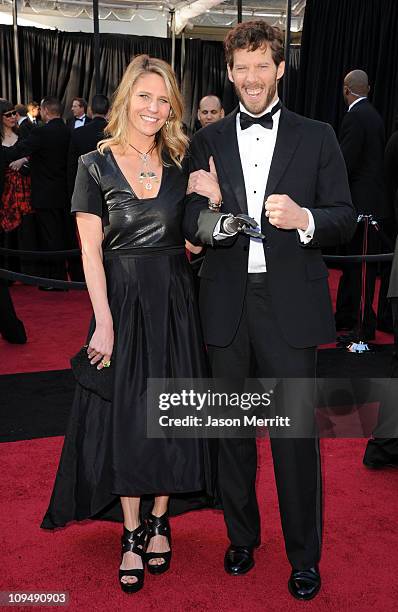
[(284, 213)]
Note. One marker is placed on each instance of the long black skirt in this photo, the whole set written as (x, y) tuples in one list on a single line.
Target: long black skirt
[(106, 452)]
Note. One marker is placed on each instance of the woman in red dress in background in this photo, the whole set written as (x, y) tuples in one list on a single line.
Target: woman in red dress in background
[(16, 224)]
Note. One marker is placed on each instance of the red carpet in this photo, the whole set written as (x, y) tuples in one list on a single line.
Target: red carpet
[(57, 325), (360, 553), (358, 566)]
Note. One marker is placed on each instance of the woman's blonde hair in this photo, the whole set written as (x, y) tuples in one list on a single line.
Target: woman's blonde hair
[(170, 137)]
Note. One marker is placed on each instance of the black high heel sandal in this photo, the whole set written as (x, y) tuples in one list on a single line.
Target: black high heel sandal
[(135, 542), (158, 525)]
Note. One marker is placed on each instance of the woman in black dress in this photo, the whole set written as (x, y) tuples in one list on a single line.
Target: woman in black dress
[(129, 202)]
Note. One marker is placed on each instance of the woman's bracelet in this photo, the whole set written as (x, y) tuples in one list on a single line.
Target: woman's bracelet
[(214, 206)]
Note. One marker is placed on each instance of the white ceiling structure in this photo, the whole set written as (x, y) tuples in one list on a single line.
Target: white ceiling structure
[(188, 13)]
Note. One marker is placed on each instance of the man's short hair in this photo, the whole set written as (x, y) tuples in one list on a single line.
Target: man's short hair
[(211, 96), (82, 102), (100, 104), (52, 105), (33, 104), (22, 110), (251, 35)]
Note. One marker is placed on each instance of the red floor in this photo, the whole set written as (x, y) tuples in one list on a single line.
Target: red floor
[(57, 324), (360, 551), (359, 558)]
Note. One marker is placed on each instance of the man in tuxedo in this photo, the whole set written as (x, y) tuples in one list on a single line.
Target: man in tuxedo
[(79, 110), (362, 145), (47, 148), (24, 123), (210, 110), (265, 305), (34, 113), (86, 139)]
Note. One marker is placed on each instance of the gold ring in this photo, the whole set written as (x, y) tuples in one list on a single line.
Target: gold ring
[(106, 364)]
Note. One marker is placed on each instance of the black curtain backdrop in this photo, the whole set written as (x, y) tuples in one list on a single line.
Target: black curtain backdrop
[(62, 64), (339, 36)]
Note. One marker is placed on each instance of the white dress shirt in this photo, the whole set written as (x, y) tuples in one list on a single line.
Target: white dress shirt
[(79, 122), (256, 148)]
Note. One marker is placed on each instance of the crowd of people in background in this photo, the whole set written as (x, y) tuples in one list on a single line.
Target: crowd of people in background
[(264, 307), (35, 204)]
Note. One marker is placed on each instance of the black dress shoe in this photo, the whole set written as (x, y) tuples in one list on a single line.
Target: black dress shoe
[(304, 584), (238, 560), (354, 336)]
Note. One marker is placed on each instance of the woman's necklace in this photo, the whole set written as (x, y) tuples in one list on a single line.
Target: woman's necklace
[(146, 175)]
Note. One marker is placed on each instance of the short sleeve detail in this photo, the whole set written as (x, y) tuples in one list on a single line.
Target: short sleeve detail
[(87, 194)]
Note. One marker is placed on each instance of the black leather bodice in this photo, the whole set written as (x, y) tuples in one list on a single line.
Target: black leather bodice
[(130, 222)]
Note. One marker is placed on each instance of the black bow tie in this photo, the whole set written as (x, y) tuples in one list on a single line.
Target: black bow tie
[(79, 119), (265, 120)]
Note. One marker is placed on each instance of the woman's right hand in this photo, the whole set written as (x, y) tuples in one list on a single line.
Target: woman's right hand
[(101, 345), (205, 183)]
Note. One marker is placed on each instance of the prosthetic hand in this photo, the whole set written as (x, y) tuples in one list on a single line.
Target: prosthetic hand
[(242, 224)]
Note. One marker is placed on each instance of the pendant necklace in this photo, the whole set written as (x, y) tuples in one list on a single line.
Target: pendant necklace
[(146, 175)]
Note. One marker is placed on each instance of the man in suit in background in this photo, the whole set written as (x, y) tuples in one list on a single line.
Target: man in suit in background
[(34, 113), (362, 145), (382, 449), (79, 110), (47, 148), (24, 123), (210, 110), (86, 139), (384, 309), (265, 306)]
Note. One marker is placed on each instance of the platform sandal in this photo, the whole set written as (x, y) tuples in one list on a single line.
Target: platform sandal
[(158, 525), (135, 542)]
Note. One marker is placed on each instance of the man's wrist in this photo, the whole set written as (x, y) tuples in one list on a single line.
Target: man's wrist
[(304, 223)]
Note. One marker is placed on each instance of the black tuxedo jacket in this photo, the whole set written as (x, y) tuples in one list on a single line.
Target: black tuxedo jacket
[(83, 140), (308, 166), (71, 123), (362, 144), (391, 171), (393, 287), (48, 147), (25, 128)]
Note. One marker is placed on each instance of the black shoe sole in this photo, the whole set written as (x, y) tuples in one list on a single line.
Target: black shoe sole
[(379, 466), (296, 596), (240, 572)]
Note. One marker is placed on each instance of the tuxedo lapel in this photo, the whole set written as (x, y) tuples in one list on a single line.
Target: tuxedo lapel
[(226, 145), (287, 140)]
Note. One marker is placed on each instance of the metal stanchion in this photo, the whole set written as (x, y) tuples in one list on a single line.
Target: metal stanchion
[(361, 346)]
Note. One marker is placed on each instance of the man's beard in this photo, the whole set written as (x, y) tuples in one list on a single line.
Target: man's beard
[(259, 110)]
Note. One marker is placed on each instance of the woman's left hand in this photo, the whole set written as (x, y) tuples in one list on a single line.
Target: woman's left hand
[(17, 165), (205, 183), (192, 248)]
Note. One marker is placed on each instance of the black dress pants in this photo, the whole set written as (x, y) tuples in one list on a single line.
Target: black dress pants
[(259, 349), (384, 445), (52, 233)]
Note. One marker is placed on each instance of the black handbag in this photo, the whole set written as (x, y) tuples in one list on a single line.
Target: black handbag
[(25, 169), (89, 377)]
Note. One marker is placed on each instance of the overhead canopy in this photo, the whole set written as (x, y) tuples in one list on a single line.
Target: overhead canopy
[(188, 13)]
